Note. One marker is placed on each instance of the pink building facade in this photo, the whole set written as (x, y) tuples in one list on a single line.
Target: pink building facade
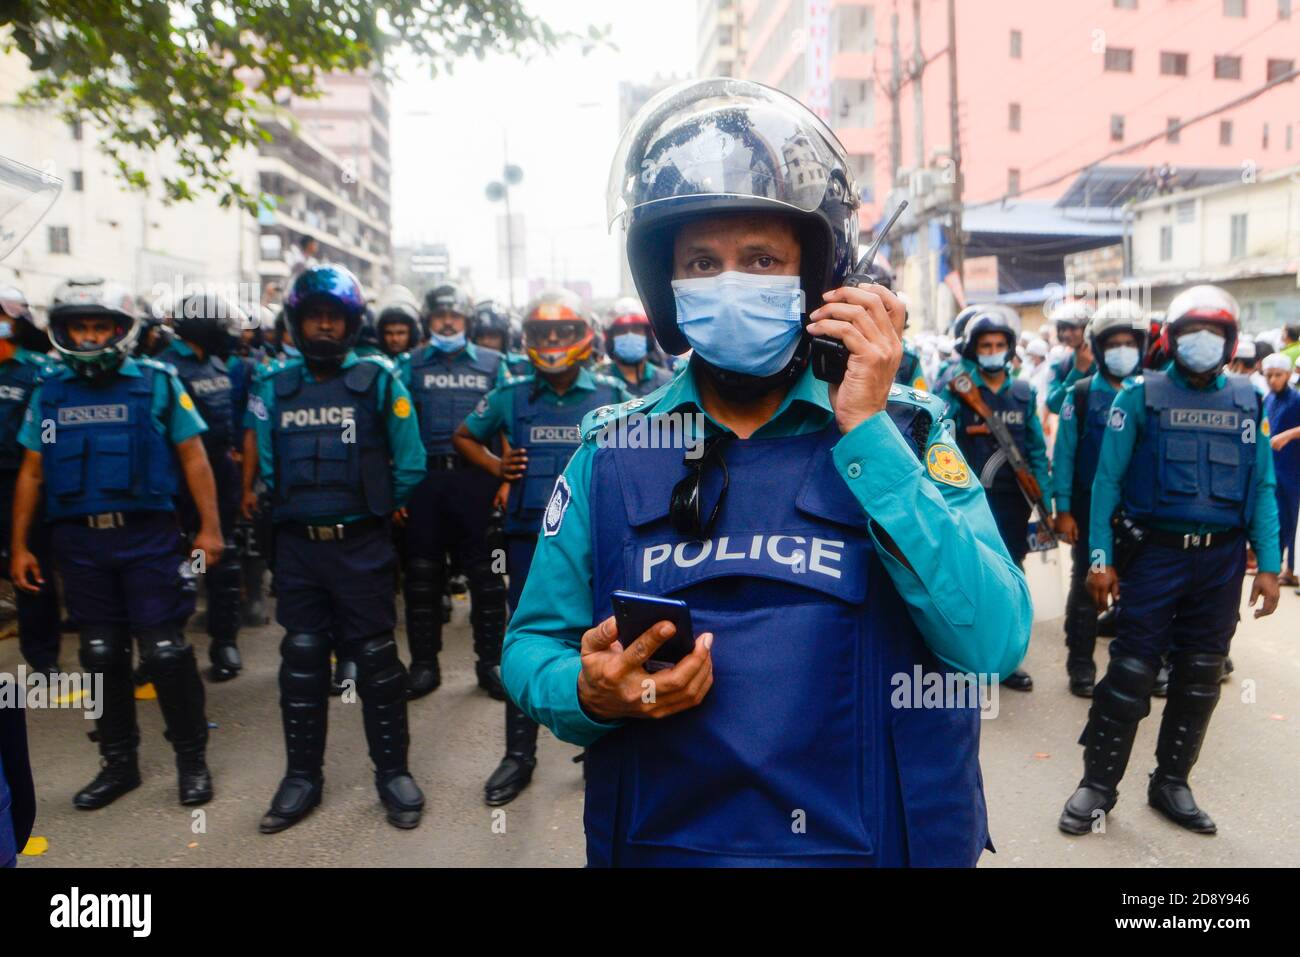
[(1044, 88)]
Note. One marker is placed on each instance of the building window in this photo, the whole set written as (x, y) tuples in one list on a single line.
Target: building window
[(1227, 68), (1284, 9), (1225, 132), (1234, 8), (1173, 64), (864, 171), (1166, 243), (1185, 212), (1015, 44), (1264, 144), (78, 181), (1119, 60), (1013, 117), (1116, 128), (1172, 130), (855, 29), (1013, 182), (75, 127), (1238, 235), (59, 241), (1280, 68), (1126, 4), (1288, 137)]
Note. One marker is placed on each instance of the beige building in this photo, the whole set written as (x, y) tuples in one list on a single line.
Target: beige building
[(1243, 236), (719, 47)]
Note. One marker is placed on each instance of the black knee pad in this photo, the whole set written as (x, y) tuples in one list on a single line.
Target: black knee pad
[(163, 652), (1125, 692), (305, 664), (422, 582), (1195, 669), (105, 648), (487, 584), (380, 675)]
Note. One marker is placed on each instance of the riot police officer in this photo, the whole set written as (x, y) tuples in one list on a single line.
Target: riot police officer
[(339, 451), (108, 439), (450, 510), (1117, 336), (824, 543), (952, 364), (22, 365), (538, 415), (1186, 462), (1071, 319), (988, 342), (207, 327), (628, 341), (398, 323), (495, 328)]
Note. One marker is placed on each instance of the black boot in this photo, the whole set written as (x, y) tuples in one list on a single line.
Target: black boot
[(1193, 694), (1080, 625), (1018, 680), (515, 771), (106, 650), (487, 618), (304, 708), (181, 700), (1083, 675), (423, 625), (224, 582), (1119, 702), (383, 686)]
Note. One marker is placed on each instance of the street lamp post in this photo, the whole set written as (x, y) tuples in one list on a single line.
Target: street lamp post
[(499, 190)]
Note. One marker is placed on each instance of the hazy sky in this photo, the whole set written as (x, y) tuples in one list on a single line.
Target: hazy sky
[(560, 115)]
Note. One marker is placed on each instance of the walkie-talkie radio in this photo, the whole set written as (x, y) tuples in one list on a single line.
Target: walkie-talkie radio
[(830, 357)]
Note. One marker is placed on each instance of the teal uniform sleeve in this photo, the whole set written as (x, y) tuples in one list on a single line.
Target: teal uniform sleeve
[(261, 406), (29, 433), (1063, 449), (404, 443), (957, 567), (174, 410), (1122, 434), (492, 415), (1036, 449), (540, 660), (1057, 390), (1265, 530)]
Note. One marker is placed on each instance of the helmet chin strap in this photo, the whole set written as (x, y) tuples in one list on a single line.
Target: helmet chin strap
[(741, 387)]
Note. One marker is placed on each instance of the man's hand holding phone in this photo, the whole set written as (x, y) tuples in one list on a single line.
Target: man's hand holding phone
[(614, 682)]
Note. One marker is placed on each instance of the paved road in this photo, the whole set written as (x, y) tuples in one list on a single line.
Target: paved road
[(1248, 776)]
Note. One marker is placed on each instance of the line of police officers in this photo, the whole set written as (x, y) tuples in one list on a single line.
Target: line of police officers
[(327, 441)]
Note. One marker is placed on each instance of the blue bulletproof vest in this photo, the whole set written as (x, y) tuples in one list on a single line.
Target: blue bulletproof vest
[(17, 380), (1087, 453), (985, 458), (1194, 462), (551, 435), (318, 474), (446, 390), (106, 456), (209, 383), (796, 756)]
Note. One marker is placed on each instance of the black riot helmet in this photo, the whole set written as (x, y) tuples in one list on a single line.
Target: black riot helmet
[(210, 321), (491, 319), (397, 304), (451, 297), (724, 146)]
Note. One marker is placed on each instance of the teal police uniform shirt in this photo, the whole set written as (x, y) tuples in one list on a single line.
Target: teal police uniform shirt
[(394, 402), (933, 510), (1035, 449), (174, 414), (1126, 426), (1059, 388), (495, 412), (648, 372), (1067, 442)]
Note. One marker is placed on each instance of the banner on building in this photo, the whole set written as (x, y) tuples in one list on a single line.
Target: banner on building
[(817, 57)]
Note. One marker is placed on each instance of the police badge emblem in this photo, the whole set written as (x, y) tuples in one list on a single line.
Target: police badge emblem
[(556, 507), (1117, 419)]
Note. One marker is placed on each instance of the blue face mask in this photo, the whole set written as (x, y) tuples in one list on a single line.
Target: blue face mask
[(630, 347), (741, 322), (1121, 361), (1200, 351), (994, 362), (452, 343)]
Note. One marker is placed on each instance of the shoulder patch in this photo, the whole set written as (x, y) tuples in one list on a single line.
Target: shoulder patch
[(556, 507), (482, 407), (402, 407), (257, 407), (186, 402), (945, 464), (1117, 419), (1067, 408)]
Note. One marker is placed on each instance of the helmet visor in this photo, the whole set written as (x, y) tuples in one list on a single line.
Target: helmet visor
[(25, 197), (723, 138)]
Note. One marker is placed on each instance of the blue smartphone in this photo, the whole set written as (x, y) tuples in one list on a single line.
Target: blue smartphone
[(635, 614)]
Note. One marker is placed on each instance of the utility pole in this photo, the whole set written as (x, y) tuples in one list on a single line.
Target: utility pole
[(918, 68), (956, 251), (895, 89)]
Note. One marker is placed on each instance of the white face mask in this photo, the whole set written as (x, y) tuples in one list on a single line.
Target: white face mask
[(1121, 361)]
